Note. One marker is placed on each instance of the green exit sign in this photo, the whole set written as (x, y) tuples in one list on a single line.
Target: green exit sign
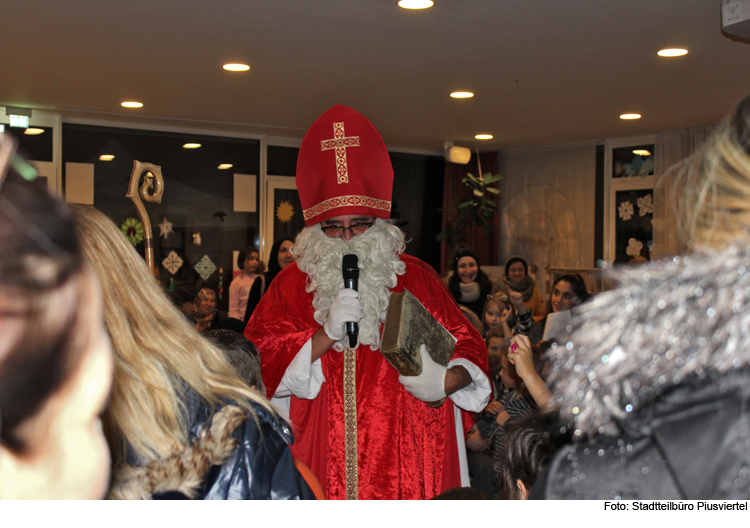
[(19, 121)]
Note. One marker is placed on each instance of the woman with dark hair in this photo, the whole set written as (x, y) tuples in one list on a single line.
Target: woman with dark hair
[(55, 357), (517, 279), (281, 256), (568, 291), (468, 284)]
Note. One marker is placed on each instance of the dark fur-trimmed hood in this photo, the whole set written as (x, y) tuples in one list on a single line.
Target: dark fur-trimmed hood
[(184, 471), (686, 320)]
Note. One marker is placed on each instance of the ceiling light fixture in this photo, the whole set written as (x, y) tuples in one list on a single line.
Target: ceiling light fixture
[(225, 166), (132, 104), (672, 52), (630, 116), (33, 131), (191, 145), (483, 136), (107, 157), (461, 95), (639, 152), (236, 67), (415, 4)]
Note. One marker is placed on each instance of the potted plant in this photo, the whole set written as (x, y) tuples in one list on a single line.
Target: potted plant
[(477, 209)]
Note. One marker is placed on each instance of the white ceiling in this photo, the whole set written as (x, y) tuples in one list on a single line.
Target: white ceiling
[(544, 71)]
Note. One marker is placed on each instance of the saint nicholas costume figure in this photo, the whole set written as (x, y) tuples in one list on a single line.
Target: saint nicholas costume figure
[(365, 431)]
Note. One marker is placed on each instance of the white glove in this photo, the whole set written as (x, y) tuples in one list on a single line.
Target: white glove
[(429, 386), (345, 308)]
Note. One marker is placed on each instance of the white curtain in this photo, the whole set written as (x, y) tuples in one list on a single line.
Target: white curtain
[(547, 206), (670, 152)]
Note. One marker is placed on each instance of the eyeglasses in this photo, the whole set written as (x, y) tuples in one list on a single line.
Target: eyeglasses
[(337, 231)]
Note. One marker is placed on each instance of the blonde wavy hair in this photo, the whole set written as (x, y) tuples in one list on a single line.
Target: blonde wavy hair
[(713, 203), (159, 357)]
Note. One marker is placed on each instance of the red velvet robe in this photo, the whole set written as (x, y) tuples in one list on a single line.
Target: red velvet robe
[(407, 450)]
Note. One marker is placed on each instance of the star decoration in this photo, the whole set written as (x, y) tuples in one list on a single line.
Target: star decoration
[(284, 211), (165, 228), (173, 262), (205, 267)]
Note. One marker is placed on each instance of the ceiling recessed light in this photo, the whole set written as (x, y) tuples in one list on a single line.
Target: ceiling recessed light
[(225, 166), (107, 157), (191, 145), (236, 67), (483, 136), (132, 104), (33, 131), (672, 52), (461, 95), (639, 152), (415, 4), (630, 116)]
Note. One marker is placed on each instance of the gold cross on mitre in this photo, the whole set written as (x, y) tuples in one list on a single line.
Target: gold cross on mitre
[(340, 143)]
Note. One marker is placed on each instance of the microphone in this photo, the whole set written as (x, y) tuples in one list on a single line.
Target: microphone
[(350, 270)]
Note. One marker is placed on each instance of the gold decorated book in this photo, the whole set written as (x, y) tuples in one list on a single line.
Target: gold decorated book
[(408, 325)]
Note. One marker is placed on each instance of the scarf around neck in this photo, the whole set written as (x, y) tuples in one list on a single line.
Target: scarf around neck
[(525, 286), (469, 292)]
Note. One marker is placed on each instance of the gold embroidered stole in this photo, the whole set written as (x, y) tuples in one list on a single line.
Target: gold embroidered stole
[(350, 422)]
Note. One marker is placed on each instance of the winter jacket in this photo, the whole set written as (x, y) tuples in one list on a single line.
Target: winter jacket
[(654, 383), (232, 456)]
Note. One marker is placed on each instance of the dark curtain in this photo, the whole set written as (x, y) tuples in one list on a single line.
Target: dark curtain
[(453, 190)]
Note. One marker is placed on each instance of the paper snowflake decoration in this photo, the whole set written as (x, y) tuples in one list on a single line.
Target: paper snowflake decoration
[(173, 262), (133, 229), (634, 248), (625, 210), (284, 211), (640, 166), (645, 205), (205, 267), (165, 228)]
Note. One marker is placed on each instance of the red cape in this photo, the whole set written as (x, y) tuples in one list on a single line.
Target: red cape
[(407, 450)]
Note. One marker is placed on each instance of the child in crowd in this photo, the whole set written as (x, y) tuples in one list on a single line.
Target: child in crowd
[(248, 287), (242, 354), (499, 314), (519, 392), (530, 444), (479, 449), (522, 391)]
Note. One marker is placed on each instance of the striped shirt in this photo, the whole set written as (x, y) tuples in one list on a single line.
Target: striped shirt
[(515, 406)]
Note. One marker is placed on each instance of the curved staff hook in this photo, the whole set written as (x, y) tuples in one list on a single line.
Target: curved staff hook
[(148, 183)]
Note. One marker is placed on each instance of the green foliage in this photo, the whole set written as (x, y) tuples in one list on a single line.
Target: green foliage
[(477, 209)]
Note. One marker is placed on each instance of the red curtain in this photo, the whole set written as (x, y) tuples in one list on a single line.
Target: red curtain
[(453, 190)]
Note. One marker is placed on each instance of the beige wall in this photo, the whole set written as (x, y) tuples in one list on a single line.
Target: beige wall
[(547, 206)]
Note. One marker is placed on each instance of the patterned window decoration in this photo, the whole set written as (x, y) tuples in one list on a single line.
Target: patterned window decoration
[(633, 162), (633, 228), (173, 262), (205, 267)]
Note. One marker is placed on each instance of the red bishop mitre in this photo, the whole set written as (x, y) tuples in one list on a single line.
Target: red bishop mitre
[(343, 168)]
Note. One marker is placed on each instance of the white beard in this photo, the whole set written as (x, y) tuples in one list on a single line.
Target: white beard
[(377, 250)]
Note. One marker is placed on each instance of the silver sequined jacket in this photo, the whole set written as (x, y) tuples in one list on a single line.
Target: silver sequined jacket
[(654, 382)]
